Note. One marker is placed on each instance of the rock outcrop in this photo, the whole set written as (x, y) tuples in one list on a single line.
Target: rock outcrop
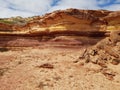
[(70, 20), (105, 51), (112, 20)]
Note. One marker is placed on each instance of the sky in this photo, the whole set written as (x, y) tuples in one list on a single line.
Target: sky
[(27, 8)]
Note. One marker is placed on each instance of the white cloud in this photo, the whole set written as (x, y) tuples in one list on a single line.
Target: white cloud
[(102, 2), (11, 13), (81, 4), (3, 3), (113, 7), (23, 7), (35, 6), (117, 1), (26, 8)]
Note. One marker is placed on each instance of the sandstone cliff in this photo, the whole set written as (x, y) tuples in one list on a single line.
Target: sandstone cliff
[(70, 20)]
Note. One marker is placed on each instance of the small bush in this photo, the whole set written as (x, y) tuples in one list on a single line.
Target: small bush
[(6, 22)]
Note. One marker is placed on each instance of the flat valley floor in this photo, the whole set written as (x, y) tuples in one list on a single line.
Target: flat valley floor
[(53, 68)]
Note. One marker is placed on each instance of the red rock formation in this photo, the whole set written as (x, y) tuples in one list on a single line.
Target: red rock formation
[(68, 20), (5, 27), (113, 20)]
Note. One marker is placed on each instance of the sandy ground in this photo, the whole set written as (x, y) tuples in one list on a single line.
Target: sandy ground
[(53, 68)]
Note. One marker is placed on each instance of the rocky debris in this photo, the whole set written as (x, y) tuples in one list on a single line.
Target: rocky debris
[(115, 36), (104, 52), (46, 65), (115, 61), (2, 71), (110, 74)]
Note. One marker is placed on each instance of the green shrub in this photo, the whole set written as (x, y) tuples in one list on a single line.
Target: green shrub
[(6, 22)]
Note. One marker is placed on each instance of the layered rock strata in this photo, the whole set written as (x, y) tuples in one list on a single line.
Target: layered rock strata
[(67, 20), (70, 22)]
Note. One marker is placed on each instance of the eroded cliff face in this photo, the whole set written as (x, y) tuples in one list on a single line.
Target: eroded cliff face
[(67, 20), (113, 20), (70, 22)]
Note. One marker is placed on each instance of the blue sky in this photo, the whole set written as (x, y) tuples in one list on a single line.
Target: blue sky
[(25, 8)]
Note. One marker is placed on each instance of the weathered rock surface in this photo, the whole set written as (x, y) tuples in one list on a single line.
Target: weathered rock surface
[(105, 51), (94, 24), (70, 20)]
